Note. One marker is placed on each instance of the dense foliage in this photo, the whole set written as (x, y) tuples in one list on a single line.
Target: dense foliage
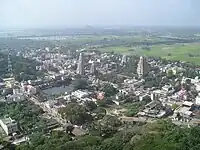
[(26, 114), (133, 108), (80, 84), (23, 69), (161, 135), (76, 114), (109, 90)]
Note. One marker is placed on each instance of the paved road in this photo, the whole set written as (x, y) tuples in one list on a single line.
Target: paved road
[(136, 119)]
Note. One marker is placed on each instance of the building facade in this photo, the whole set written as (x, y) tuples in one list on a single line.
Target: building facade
[(80, 65), (93, 68), (142, 67), (9, 125)]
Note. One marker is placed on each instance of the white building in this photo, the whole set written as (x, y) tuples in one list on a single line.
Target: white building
[(9, 125), (154, 97), (197, 87), (30, 90), (197, 100), (167, 87), (193, 81), (80, 94), (19, 97), (160, 93)]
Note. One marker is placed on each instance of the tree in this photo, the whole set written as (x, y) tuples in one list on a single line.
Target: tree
[(114, 143), (90, 105), (109, 120), (174, 106), (57, 134), (133, 108), (169, 54), (109, 90), (69, 129), (76, 114), (37, 139), (101, 103), (80, 84), (108, 125), (100, 112), (170, 73), (192, 140)]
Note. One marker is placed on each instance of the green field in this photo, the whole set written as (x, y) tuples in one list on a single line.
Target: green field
[(93, 38), (183, 52), (117, 49)]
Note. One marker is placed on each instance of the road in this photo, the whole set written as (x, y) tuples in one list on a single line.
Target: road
[(136, 119), (41, 105)]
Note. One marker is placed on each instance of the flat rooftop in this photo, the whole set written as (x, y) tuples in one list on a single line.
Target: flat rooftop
[(7, 121), (9, 79)]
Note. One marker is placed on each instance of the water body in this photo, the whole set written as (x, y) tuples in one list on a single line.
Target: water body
[(58, 90), (50, 38)]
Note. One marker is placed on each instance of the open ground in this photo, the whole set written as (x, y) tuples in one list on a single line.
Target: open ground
[(183, 52)]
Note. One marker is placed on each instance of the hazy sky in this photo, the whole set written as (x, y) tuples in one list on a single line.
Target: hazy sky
[(69, 13)]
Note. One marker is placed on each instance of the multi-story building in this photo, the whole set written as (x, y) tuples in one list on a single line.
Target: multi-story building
[(142, 68), (9, 125)]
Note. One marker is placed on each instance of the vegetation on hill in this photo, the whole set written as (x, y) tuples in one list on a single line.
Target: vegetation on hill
[(26, 114), (161, 135)]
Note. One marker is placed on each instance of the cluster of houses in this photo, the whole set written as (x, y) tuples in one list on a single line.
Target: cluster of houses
[(181, 105)]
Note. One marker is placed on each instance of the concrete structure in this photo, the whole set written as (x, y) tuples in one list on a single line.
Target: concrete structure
[(21, 140), (154, 97), (80, 94), (53, 107), (124, 60), (9, 125), (80, 65), (197, 87), (185, 110), (31, 90), (197, 100), (153, 110), (142, 68), (93, 68), (19, 97), (9, 82)]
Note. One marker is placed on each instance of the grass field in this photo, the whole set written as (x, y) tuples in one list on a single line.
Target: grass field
[(117, 49), (183, 52), (92, 38)]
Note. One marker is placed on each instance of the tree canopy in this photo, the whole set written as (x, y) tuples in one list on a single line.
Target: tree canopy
[(76, 114), (80, 84), (109, 90)]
